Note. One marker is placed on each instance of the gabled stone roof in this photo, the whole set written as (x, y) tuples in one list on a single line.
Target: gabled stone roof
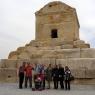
[(55, 6)]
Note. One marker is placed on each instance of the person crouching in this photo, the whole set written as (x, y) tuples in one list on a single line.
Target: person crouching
[(38, 83)]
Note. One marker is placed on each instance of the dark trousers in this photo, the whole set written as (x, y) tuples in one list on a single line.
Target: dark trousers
[(37, 85), (49, 82), (67, 84), (28, 78), (21, 79), (61, 83), (43, 84), (55, 80)]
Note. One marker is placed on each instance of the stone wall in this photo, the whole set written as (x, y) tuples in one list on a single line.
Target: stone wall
[(57, 15), (8, 75), (82, 68)]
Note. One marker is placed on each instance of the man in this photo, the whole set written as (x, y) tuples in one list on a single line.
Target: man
[(49, 75), (61, 76), (28, 75), (55, 76), (21, 74)]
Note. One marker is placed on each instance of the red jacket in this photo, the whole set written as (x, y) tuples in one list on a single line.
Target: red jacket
[(28, 71), (41, 76)]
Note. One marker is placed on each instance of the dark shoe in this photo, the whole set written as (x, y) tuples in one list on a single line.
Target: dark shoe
[(48, 88), (25, 86), (33, 89), (20, 87), (62, 88), (30, 86)]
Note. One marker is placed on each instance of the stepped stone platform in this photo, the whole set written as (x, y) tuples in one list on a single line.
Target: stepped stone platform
[(56, 41)]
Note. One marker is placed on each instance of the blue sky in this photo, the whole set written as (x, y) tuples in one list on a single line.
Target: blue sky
[(17, 22)]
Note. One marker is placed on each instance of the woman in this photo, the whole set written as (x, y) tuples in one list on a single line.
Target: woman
[(67, 78)]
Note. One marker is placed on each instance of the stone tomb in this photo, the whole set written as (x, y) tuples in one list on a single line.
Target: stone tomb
[(56, 41)]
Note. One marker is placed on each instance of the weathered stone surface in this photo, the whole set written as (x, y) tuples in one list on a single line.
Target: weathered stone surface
[(87, 53), (8, 75), (67, 46), (57, 27), (56, 52), (81, 44), (81, 68), (55, 17), (57, 41), (8, 63)]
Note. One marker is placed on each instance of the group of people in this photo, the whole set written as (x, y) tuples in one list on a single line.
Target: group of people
[(40, 74)]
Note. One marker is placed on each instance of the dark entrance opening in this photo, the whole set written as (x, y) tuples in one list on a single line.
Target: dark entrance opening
[(54, 33)]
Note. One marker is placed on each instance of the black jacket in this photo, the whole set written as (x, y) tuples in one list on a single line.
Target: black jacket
[(61, 72), (55, 73)]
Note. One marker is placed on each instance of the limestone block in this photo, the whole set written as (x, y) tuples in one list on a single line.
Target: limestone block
[(66, 46), (52, 54), (30, 49), (11, 63), (71, 53), (79, 73), (45, 48), (78, 42), (44, 61), (20, 49), (24, 55), (37, 43), (6, 63), (81, 67), (57, 47), (13, 55), (87, 53), (8, 75), (81, 44), (90, 73), (57, 53)]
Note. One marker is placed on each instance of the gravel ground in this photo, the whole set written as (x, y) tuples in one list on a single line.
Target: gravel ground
[(12, 89)]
